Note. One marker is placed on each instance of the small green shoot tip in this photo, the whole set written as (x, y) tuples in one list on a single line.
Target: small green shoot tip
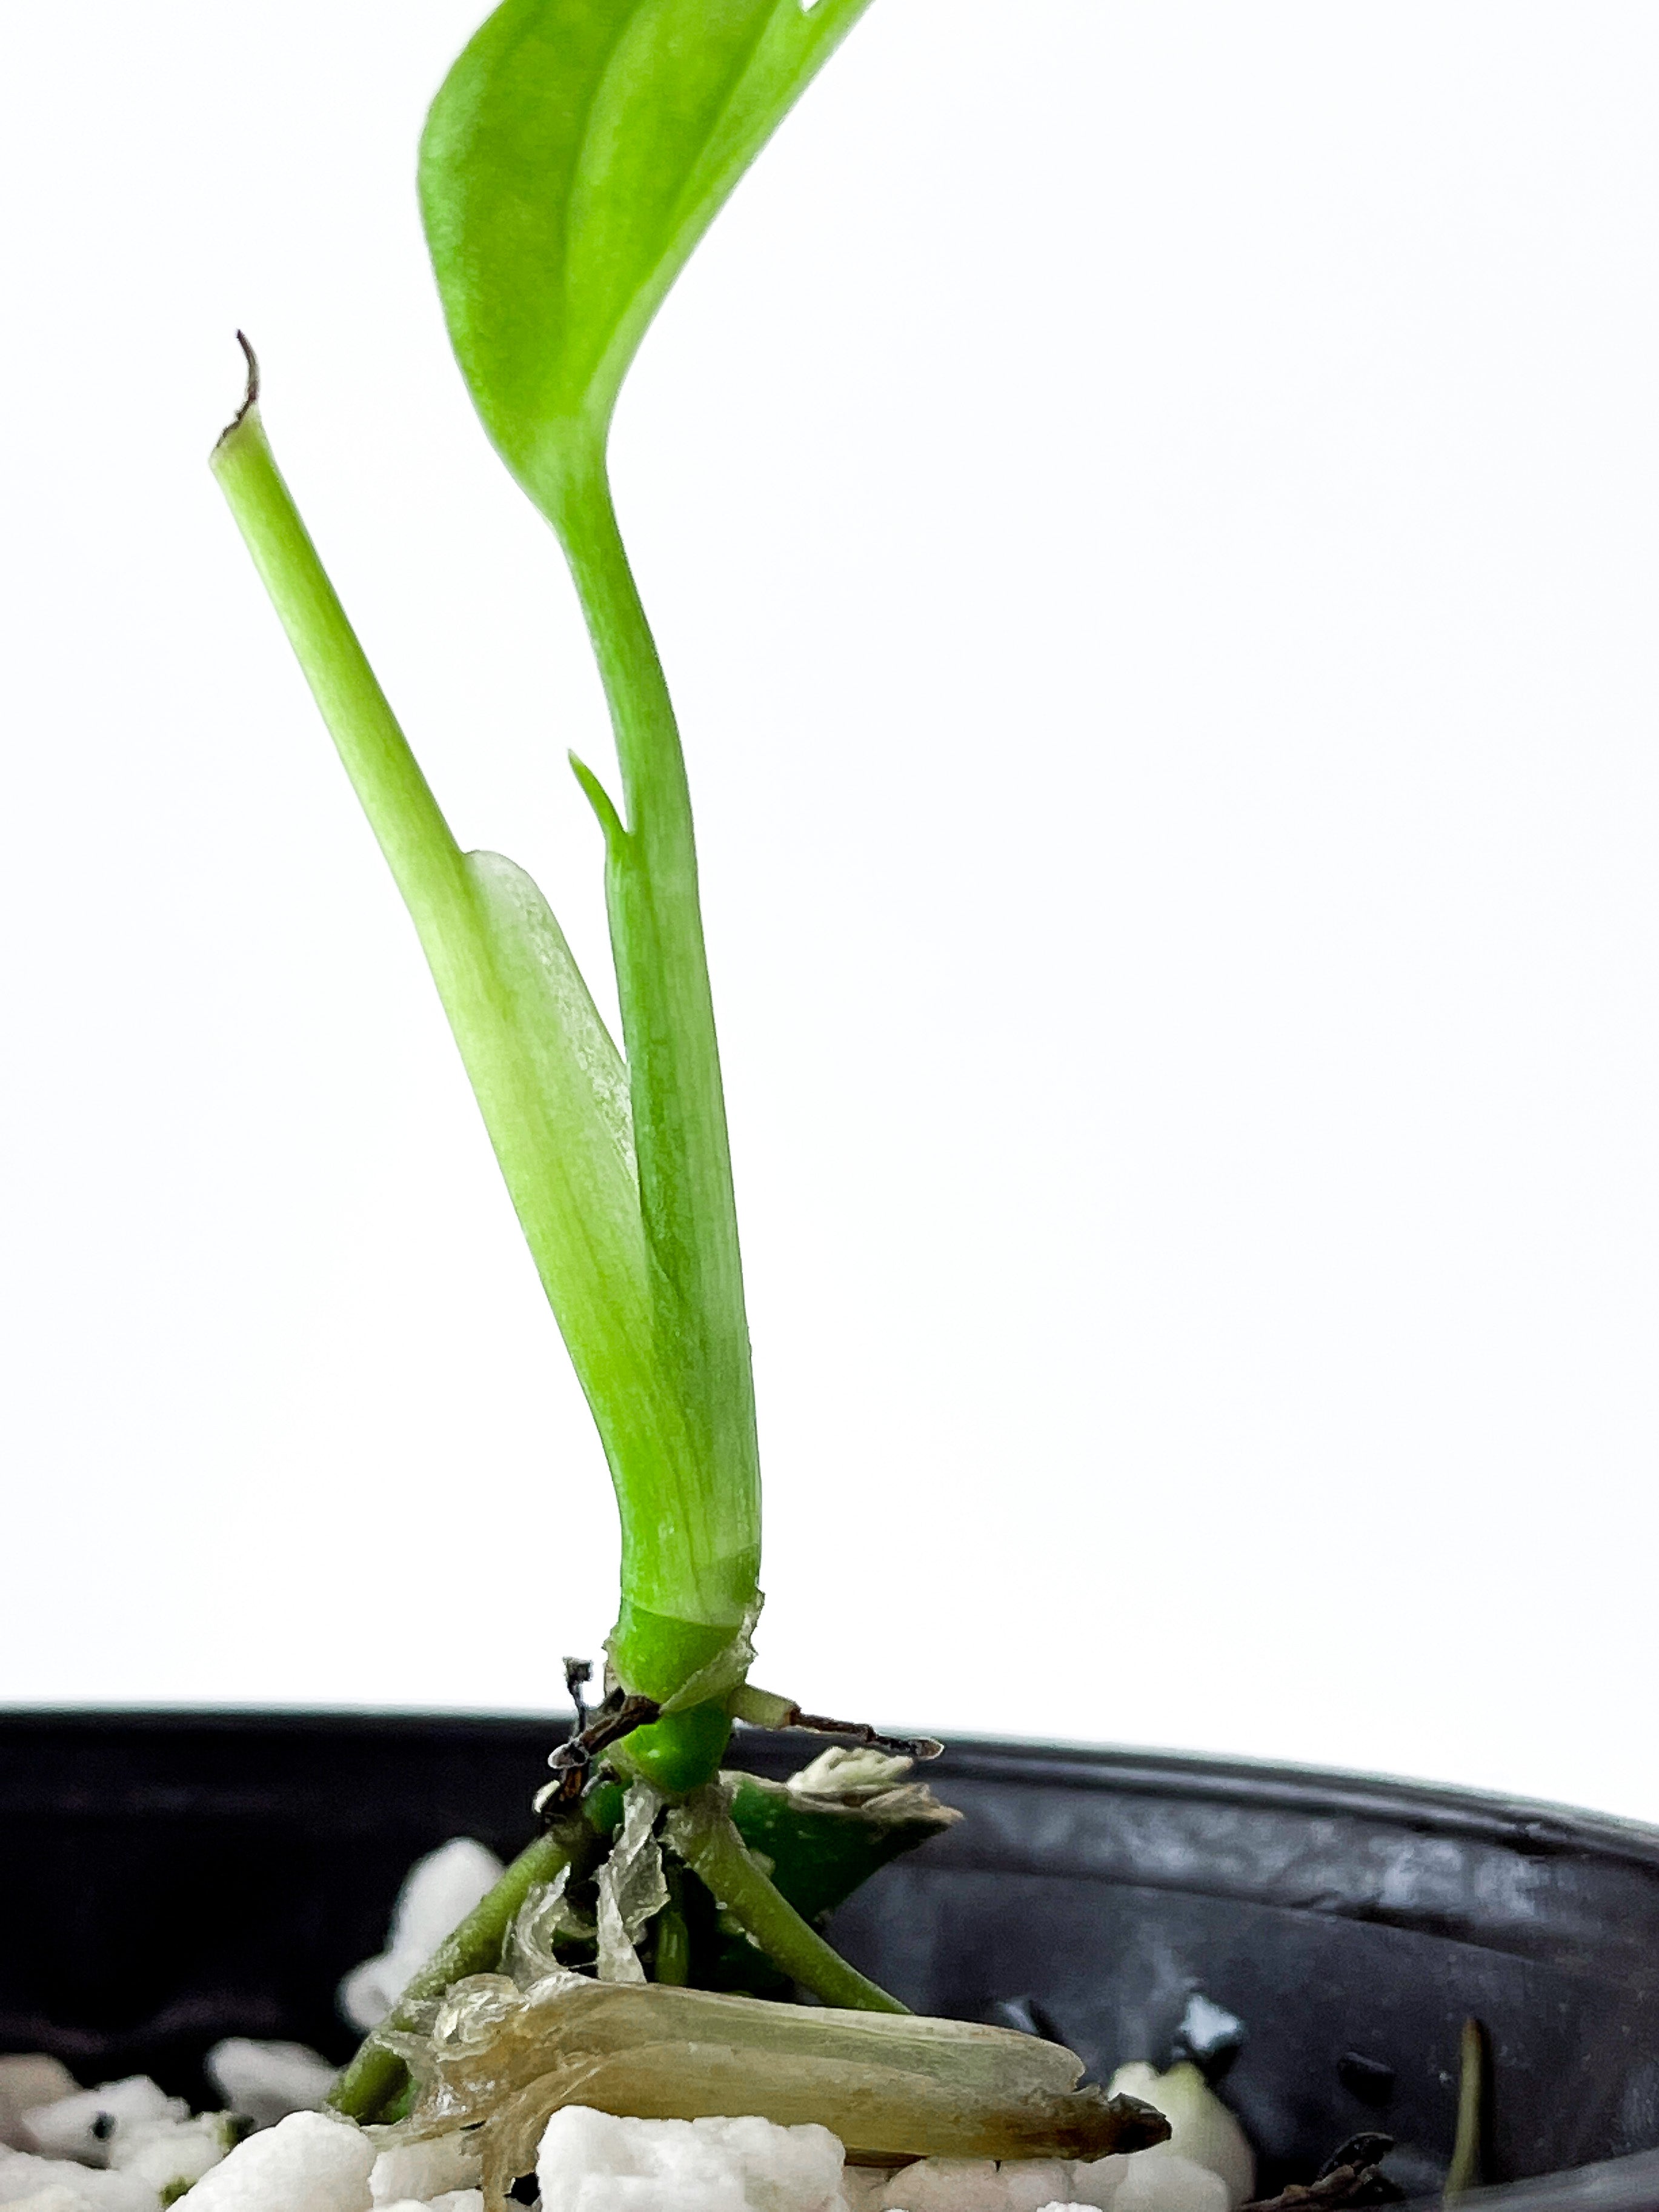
[(601, 802)]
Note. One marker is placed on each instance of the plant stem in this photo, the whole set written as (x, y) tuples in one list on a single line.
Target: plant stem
[(702, 1834), (1469, 2148), (528, 1034), (702, 1574), (672, 1963), (423, 856), (375, 2075)]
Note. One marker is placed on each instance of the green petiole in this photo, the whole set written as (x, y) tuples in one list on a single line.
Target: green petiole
[(1465, 2170), (671, 1960), (686, 1200), (703, 1832), (375, 2075)]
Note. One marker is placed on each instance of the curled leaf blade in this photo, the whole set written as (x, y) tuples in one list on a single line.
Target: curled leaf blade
[(572, 158)]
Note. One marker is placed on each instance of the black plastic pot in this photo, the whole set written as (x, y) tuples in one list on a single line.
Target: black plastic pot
[(169, 1879)]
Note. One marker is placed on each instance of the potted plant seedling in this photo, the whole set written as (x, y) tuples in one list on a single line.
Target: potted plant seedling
[(175, 1879), (645, 1952), (572, 160)]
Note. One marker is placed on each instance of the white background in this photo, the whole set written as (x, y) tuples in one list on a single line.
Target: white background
[(1151, 511)]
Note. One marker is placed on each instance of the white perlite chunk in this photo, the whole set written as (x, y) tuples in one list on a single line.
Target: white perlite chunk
[(1031, 2184), (23, 2176), (452, 2200), (438, 1892), (306, 2163), (171, 2156), (590, 2161), (56, 2198), (85, 2126), (268, 2081), (27, 2080), (1201, 2128), (426, 2171), (1142, 2182), (942, 2185), (1169, 2184), (1095, 2180), (132, 2128)]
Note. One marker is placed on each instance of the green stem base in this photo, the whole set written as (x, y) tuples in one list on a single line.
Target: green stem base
[(376, 2074)]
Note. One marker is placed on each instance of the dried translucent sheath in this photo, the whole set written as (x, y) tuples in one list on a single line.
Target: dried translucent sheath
[(890, 2086), (632, 1888)]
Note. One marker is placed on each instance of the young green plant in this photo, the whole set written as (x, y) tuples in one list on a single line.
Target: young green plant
[(571, 160)]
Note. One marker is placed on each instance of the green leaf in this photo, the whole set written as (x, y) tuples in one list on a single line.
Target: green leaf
[(574, 155), (820, 1852)]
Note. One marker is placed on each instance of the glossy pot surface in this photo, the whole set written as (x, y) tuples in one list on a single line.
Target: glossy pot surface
[(171, 1878)]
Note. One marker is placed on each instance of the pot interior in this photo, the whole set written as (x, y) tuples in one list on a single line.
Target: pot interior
[(174, 1878)]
